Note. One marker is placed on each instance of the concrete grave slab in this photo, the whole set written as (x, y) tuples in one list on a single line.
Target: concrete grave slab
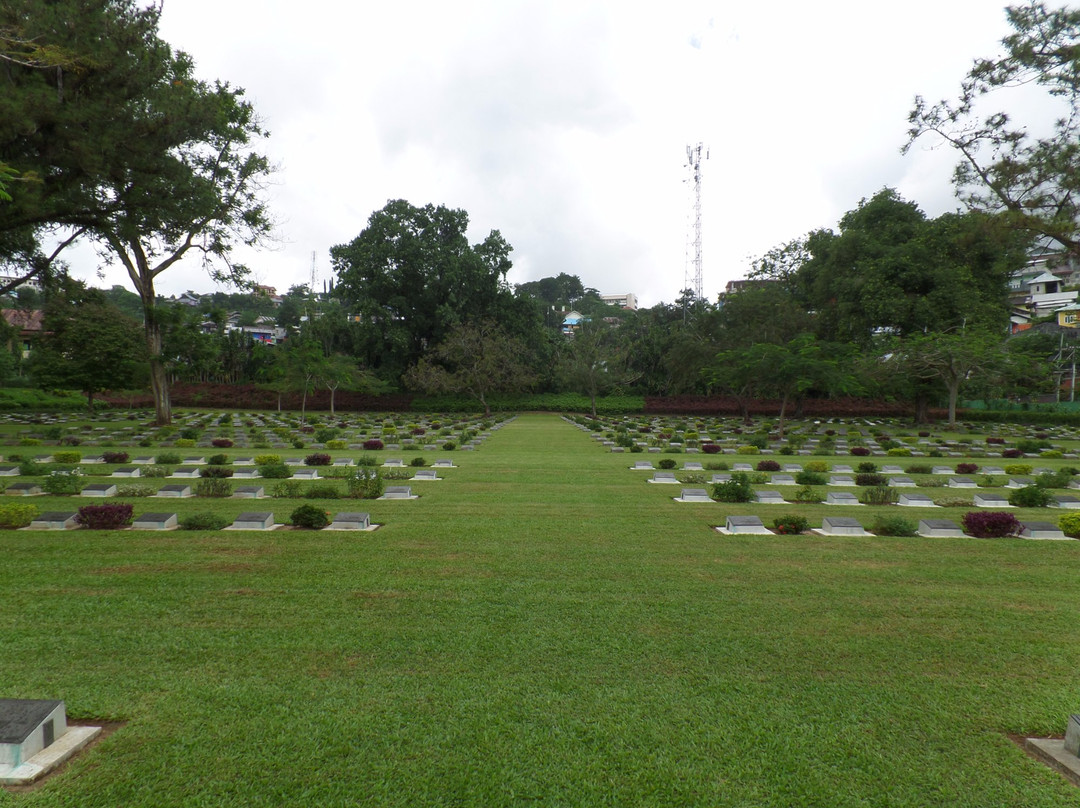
[(1019, 482), (425, 474), (185, 472), (249, 492), (693, 495), (398, 492), (1042, 530), (766, 497), (1066, 502), (23, 490), (961, 482), (901, 482), (306, 474), (197, 460), (782, 479), (351, 521), (841, 480), (664, 477), (35, 738), (744, 525), (843, 469), (99, 490), (127, 471), (155, 521), (916, 501), (940, 528), (742, 467), (643, 465), (842, 526), (691, 466), (443, 464), (841, 498), (254, 520), (943, 470), (54, 520), (991, 501), (9, 471)]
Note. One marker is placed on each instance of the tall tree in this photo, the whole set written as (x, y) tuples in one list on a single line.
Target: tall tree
[(88, 345), (474, 358), (411, 277), (595, 361), (1027, 170)]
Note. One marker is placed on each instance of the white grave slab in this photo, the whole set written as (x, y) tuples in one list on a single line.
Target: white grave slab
[(99, 490), (178, 491), (1066, 502), (185, 472), (664, 477), (748, 525), (249, 492), (127, 471), (782, 479), (766, 497), (54, 520), (351, 521), (961, 482), (155, 521), (253, 520), (1042, 530), (23, 490), (842, 526), (693, 495), (991, 501), (940, 528), (841, 498), (841, 480), (398, 492), (643, 465), (916, 501), (901, 482)]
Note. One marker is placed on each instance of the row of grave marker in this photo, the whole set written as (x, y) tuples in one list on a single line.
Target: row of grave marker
[(847, 526)]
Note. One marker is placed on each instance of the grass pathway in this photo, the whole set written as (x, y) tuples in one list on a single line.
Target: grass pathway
[(543, 627)]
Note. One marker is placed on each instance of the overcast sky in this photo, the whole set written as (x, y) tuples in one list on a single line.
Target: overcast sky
[(565, 124)]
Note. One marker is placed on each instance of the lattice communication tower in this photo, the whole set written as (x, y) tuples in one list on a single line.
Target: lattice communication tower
[(692, 280)]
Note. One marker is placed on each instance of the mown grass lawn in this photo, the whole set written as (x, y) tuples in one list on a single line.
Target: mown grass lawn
[(545, 628)]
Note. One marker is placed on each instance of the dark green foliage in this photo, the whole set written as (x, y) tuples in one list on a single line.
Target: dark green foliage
[(322, 491), (213, 487), (894, 526), (870, 479), (666, 463), (1031, 496), (215, 471), (867, 467), (275, 471), (806, 477), (737, 489), (204, 520), (418, 462), (309, 517), (790, 524), (218, 460), (879, 495), (169, 459), (365, 483)]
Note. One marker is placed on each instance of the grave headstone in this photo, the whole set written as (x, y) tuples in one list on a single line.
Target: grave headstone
[(961, 482), (306, 474), (694, 495), (23, 490), (742, 467), (721, 477), (1019, 482), (1072, 736), (155, 521), (690, 466), (939, 528), (28, 726), (443, 464), (245, 474), (249, 492), (841, 498), (991, 501), (916, 501), (350, 521), (99, 490), (127, 471), (54, 520), (841, 480), (664, 477), (397, 492), (943, 470), (842, 526), (425, 474), (750, 525), (843, 469), (901, 482), (1065, 501), (9, 471), (176, 490), (782, 479), (767, 497), (393, 463), (253, 520), (643, 465), (1041, 530)]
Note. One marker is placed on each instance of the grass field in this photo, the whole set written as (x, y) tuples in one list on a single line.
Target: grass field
[(545, 628)]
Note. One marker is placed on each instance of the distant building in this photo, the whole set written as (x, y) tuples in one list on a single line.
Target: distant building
[(32, 283), (627, 301), (29, 324)]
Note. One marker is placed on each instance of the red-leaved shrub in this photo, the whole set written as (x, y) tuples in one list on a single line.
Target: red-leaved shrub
[(114, 457), (317, 459), (995, 440), (768, 465), (991, 524), (710, 448), (966, 468), (860, 451), (1012, 453), (221, 443), (373, 444), (105, 517)]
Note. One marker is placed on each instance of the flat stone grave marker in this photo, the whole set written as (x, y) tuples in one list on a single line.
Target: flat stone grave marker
[(1065, 501), (690, 466), (841, 498), (961, 482), (664, 477), (198, 460), (9, 471), (693, 495), (425, 474), (842, 526), (306, 474), (843, 469), (721, 477), (793, 468), (992, 470), (892, 470), (766, 497), (54, 520), (901, 482), (175, 490), (143, 460), (397, 492), (350, 521), (1072, 736), (253, 520), (750, 525), (23, 490), (155, 521), (943, 470), (991, 501), (343, 461), (443, 464), (916, 501), (294, 461), (44, 458), (244, 461), (245, 474), (92, 460), (939, 528), (127, 471), (99, 490), (782, 479), (249, 492), (839, 479), (185, 472), (1041, 530), (742, 467), (393, 463), (643, 465), (27, 726), (1019, 482)]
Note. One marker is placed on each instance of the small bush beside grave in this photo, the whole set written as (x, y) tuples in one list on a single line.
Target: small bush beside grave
[(365, 483), (114, 457), (204, 520), (16, 514), (106, 517), (213, 487), (309, 517), (1070, 524), (879, 495), (67, 457), (317, 459), (373, 445), (791, 525), (169, 459), (768, 465), (894, 526), (737, 489), (991, 524), (63, 482), (1030, 496), (221, 443), (218, 472)]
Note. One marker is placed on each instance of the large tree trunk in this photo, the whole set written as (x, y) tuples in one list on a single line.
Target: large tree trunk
[(922, 408), (954, 393)]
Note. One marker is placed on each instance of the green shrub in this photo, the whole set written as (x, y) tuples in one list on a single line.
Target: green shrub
[(185, 443), (737, 489), (63, 481), (213, 487), (1070, 524), (204, 520), (67, 457), (876, 480), (1050, 454), (29, 442), (418, 462), (219, 472), (817, 465), (805, 477), (309, 517), (1020, 469), (336, 444), (322, 491), (365, 483), (368, 461), (716, 465), (275, 471), (867, 468), (325, 435), (808, 495), (1030, 496), (449, 446), (1054, 479), (30, 468), (898, 451), (153, 471), (894, 526), (666, 463), (289, 489), (267, 460), (748, 449), (135, 490), (16, 514), (169, 459), (879, 495)]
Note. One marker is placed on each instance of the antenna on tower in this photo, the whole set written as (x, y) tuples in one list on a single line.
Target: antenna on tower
[(692, 279), (314, 275)]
